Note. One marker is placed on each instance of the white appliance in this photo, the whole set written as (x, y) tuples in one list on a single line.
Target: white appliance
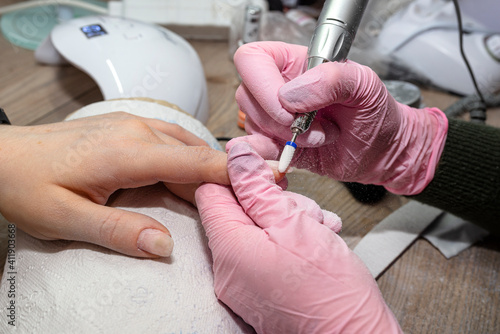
[(424, 39), (129, 58)]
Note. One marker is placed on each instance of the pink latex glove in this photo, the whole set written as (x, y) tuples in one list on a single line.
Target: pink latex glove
[(360, 134), (278, 261)]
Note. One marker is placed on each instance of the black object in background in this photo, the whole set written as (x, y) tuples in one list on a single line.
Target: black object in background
[(366, 193), (278, 4), (275, 5), (3, 117)]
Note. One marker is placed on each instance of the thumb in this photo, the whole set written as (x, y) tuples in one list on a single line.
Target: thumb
[(219, 208), (224, 220), (267, 148), (123, 231), (261, 198)]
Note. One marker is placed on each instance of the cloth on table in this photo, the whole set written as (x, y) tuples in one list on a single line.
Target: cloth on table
[(391, 237)]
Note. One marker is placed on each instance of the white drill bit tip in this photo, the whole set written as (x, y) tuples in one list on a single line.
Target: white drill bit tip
[(286, 156)]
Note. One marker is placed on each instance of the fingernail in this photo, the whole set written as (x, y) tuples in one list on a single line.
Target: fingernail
[(155, 242), (275, 164)]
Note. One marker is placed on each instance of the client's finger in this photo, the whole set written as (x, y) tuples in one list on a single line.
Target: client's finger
[(124, 231), (171, 129), (172, 163), (176, 131), (184, 191), (175, 164)]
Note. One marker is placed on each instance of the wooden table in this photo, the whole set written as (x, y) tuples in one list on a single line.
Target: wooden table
[(427, 293)]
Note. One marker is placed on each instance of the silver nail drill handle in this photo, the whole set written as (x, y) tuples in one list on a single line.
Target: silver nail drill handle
[(331, 41)]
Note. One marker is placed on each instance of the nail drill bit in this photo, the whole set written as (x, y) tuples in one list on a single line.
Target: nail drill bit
[(331, 41)]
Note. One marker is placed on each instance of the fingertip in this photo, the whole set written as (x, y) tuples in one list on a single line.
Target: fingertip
[(131, 233), (332, 221), (278, 176), (110, 227), (155, 242), (283, 183)]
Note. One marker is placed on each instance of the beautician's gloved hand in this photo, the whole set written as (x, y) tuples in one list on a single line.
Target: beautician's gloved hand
[(278, 261), (360, 134), (56, 178)]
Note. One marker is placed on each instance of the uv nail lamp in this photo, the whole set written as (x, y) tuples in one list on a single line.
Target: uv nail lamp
[(128, 58)]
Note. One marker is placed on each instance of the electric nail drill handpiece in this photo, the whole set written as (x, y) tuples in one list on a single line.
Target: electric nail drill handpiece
[(331, 41)]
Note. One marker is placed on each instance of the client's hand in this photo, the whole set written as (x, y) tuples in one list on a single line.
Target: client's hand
[(278, 262), (56, 178)]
